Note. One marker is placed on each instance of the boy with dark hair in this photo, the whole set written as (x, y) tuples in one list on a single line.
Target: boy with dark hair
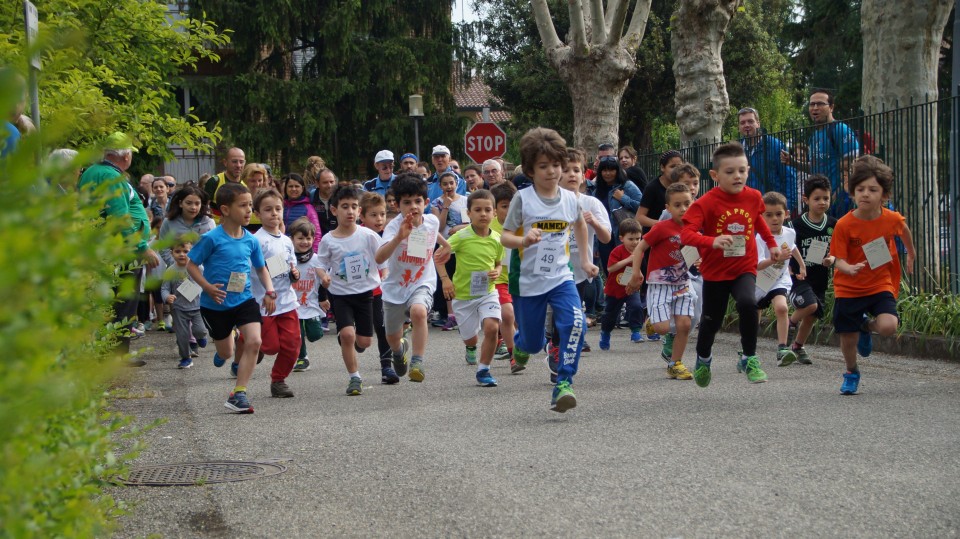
[(620, 270), (373, 215), (503, 194), (722, 225), (538, 226), (814, 232), (868, 266), (311, 296), (184, 305)]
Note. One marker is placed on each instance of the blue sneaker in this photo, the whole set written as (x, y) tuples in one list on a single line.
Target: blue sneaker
[(202, 343), (217, 360), (185, 363), (851, 380), (604, 340), (637, 336), (865, 342), (485, 379), (238, 403), (233, 369)]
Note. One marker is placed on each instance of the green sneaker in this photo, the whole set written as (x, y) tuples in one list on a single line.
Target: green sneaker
[(751, 366), (785, 356), (521, 357), (701, 373), (666, 352), (355, 387), (416, 370), (471, 356), (563, 398), (802, 357)]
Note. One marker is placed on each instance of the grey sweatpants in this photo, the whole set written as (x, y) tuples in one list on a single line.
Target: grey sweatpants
[(182, 322)]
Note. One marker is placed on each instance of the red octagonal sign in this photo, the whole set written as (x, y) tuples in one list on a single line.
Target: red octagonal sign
[(485, 140)]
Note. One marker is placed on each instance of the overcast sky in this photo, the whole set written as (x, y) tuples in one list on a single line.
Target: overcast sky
[(463, 11)]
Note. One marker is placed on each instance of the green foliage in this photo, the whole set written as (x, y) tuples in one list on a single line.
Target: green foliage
[(114, 65), (332, 79), (55, 284)]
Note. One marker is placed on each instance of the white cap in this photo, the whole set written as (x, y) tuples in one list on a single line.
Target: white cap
[(441, 150), (383, 155)]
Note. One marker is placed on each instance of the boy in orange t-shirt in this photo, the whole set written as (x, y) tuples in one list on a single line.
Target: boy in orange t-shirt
[(868, 268)]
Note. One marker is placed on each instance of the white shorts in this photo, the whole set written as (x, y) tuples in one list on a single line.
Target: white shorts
[(395, 314), (471, 313), (664, 301)]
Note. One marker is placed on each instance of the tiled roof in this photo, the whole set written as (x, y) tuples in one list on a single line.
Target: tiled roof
[(473, 95)]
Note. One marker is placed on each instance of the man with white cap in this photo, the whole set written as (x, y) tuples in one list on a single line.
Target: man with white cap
[(384, 165), (441, 162)]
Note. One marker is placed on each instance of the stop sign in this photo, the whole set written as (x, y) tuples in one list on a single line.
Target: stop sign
[(485, 140)]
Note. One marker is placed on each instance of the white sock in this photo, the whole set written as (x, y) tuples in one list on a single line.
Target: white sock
[(482, 367), (355, 374)]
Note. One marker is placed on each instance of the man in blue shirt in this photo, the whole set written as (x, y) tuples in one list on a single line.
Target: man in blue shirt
[(832, 146), (384, 165), (767, 173), (441, 162)]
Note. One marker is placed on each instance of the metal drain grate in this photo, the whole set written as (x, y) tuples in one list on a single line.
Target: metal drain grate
[(200, 473)]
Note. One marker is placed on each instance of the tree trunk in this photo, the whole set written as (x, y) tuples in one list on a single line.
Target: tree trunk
[(699, 27), (901, 49)]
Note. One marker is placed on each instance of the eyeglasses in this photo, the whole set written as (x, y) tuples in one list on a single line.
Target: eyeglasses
[(747, 110), (171, 185), (490, 171), (608, 159), (817, 104), (455, 167)]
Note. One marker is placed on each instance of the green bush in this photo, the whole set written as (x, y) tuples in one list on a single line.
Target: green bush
[(56, 274)]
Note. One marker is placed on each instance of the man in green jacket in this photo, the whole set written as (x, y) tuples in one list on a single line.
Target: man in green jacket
[(121, 202)]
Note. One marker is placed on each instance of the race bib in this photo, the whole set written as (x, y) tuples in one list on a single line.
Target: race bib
[(816, 252), (277, 266), (624, 278), (417, 243), (464, 216), (354, 268), (189, 290), (479, 283), (877, 253), (549, 256), (237, 282), (768, 277), (690, 255), (738, 248)]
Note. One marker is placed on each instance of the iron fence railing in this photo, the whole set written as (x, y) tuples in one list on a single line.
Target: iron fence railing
[(919, 142)]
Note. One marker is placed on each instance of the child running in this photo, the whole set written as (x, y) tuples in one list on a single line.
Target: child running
[(281, 328), (407, 248), (773, 278), (814, 231), (503, 194), (671, 300), (310, 295), (350, 273), (184, 306), (479, 255), (451, 210), (868, 266), (617, 292), (373, 214), (722, 225), (538, 226), (227, 253)]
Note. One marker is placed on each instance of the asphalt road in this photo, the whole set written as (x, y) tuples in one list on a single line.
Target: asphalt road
[(641, 455)]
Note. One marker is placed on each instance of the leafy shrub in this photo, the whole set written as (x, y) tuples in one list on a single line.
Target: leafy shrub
[(56, 274)]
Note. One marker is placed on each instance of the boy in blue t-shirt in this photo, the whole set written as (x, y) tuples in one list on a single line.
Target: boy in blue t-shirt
[(226, 254)]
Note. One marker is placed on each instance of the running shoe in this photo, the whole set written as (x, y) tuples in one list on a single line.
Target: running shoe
[(400, 363), (416, 370), (234, 367), (485, 379), (439, 322), (470, 356), (666, 352), (194, 352), (563, 398), (388, 376), (802, 357), (217, 360), (553, 361), (637, 336), (302, 365), (679, 371), (785, 357), (521, 358), (516, 367), (851, 380), (865, 342), (202, 342), (701, 373), (237, 401), (451, 324), (185, 363), (501, 353), (751, 366), (280, 390), (355, 387), (604, 340), (585, 348)]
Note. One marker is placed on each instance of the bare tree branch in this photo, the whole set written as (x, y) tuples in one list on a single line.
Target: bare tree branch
[(616, 16), (599, 26), (638, 25), (587, 17), (548, 34), (578, 32), (612, 6)]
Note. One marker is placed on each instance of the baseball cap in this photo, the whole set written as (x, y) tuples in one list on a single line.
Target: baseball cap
[(119, 141), (383, 155), (441, 150)]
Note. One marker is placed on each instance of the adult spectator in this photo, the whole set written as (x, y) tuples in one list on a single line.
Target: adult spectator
[(326, 182), (655, 195), (254, 176), (121, 204), (492, 172), (383, 162), (831, 146), (767, 173), (474, 180), (628, 162), (603, 150), (160, 202), (59, 160), (233, 164), (408, 162), (616, 193), (441, 162)]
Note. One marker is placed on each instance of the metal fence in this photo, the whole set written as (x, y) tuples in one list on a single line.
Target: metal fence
[(919, 142)]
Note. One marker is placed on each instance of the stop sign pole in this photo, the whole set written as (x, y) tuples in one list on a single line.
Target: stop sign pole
[(484, 140)]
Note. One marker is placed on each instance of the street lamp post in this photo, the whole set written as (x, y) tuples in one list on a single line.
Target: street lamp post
[(416, 112)]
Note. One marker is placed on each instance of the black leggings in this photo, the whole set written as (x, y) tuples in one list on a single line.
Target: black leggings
[(715, 296)]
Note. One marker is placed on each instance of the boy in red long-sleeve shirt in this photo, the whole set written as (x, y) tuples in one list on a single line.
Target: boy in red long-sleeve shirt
[(722, 224)]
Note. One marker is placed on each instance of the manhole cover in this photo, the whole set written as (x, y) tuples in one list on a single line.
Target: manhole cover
[(199, 473)]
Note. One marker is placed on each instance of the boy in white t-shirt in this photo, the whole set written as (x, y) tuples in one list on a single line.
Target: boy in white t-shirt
[(407, 249), (350, 273), (280, 333), (773, 278), (538, 227), (311, 296)]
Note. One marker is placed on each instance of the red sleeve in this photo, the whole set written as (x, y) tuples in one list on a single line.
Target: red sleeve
[(693, 224), (762, 228)]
